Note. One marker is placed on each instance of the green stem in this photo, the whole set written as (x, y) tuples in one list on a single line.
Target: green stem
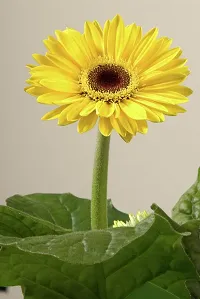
[(99, 218)]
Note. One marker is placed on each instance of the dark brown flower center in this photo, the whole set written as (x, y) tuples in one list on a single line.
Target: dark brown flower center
[(108, 78)]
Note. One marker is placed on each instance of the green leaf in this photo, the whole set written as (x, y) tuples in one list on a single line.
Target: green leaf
[(188, 206), (150, 290), (45, 277), (187, 213), (191, 244), (65, 210), (194, 287), (102, 264), (192, 247), (19, 224), (157, 210)]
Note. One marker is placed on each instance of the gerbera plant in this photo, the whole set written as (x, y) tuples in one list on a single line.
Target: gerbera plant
[(61, 246)]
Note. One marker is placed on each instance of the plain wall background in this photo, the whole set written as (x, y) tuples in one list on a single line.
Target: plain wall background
[(38, 156)]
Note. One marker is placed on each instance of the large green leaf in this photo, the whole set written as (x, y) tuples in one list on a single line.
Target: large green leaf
[(65, 210), (187, 213), (19, 224), (191, 244), (107, 264), (45, 276), (188, 206), (150, 290), (157, 210), (192, 247)]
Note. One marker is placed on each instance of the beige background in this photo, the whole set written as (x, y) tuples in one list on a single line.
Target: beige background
[(39, 156)]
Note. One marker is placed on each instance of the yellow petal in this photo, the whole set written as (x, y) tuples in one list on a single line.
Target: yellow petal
[(87, 123), (133, 109), (30, 66), (79, 39), (58, 98), (152, 104), (166, 44), (117, 126), (154, 52), (165, 97), (65, 64), (65, 122), (174, 109), (179, 53), (43, 60), (61, 85), (50, 72), (75, 51), (159, 114), (89, 108), (50, 98), (127, 138), (33, 81), (163, 80), (163, 60), (186, 91), (117, 110), (62, 120), (54, 47), (74, 112), (105, 36), (142, 126), (70, 99), (105, 109), (54, 113), (175, 63), (114, 37), (176, 97), (182, 70), (98, 26), (105, 126), (94, 38), (27, 88), (159, 47), (52, 39), (80, 42), (36, 90), (154, 115), (129, 124), (133, 34), (144, 46)]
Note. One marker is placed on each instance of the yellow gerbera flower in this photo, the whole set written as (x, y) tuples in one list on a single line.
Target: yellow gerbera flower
[(115, 75)]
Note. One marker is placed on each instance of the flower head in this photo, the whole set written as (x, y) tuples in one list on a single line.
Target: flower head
[(114, 75), (133, 220)]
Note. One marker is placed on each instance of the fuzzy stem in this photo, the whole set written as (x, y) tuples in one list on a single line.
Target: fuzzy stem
[(99, 218)]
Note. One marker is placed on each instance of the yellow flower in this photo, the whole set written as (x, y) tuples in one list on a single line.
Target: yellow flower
[(133, 220), (115, 75)]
